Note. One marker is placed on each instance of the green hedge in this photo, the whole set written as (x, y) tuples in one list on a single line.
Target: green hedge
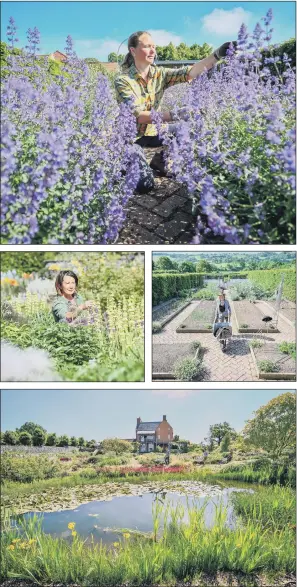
[(269, 279), (168, 285), (24, 262)]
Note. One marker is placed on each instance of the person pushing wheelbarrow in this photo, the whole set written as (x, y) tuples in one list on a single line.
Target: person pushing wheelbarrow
[(222, 328)]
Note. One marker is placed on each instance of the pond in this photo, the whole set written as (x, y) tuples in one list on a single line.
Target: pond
[(99, 520)]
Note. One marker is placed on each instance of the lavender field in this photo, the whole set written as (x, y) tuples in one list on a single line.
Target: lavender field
[(69, 165)]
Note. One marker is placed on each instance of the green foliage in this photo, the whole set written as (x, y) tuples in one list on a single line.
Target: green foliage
[(204, 266), (116, 445), (218, 431), (10, 437), (30, 427), (25, 438), (51, 439), (270, 280), (63, 440), (274, 426), (157, 327), (289, 348), (187, 267), (81, 441), (112, 369), (225, 444), (266, 366), (256, 344), (38, 437), (183, 51), (114, 58), (274, 508), (166, 264), (26, 469), (166, 286), (250, 291), (210, 292), (23, 262), (73, 441), (188, 369)]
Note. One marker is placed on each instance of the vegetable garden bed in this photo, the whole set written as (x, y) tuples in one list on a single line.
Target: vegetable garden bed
[(201, 319), (165, 310), (287, 308), (166, 356), (249, 317), (270, 357)]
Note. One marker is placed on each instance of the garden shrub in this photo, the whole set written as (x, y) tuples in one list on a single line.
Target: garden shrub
[(168, 285), (188, 369), (289, 348), (268, 366), (256, 344), (157, 327), (23, 262), (270, 279)]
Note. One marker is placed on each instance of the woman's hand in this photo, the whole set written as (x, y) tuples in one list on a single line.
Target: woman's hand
[(88, 304), (221, 52)]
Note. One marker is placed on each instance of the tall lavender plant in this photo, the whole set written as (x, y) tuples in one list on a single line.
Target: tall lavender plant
[(68, 162), (236, 150)]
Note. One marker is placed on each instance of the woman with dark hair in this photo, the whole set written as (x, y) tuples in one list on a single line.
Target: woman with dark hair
[(145, 83), (68, 304)]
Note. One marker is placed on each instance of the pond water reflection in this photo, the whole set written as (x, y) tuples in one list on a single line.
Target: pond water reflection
[(98, 520)]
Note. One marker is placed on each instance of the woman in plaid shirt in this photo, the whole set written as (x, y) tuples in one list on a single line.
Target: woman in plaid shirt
[(145, 83)]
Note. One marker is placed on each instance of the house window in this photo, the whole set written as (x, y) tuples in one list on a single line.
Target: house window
[(168, 436)]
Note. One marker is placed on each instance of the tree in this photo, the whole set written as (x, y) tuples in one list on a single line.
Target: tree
[(38, 437), (165, 264), (114, 58), (187, 267), (73, 441), (81, 441), (204, 266), (51, 439), (30, 427), (116, 445), (176, 438), (218, 431), (10, 437), (91, 443), (63, 440), (225, 444), (274, 426), (25, 438)]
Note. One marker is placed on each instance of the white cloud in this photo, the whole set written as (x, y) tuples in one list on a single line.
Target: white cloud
[(226, 22), (175, 393), (99, 48), (162, 37)]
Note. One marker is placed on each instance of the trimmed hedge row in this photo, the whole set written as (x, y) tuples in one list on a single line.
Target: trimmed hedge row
[(168, 285), (269, 279)]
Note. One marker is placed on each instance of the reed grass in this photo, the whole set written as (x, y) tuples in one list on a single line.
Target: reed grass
[(180, 552)]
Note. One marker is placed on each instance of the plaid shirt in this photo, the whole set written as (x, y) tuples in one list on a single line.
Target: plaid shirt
[(148, 95)]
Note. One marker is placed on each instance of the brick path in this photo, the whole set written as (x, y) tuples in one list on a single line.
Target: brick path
[(164, 216), (236, 363)]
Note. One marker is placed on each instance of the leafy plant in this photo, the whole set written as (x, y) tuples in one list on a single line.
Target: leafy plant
[(289, 348), (157, 327), (188, 369), (268, 366)]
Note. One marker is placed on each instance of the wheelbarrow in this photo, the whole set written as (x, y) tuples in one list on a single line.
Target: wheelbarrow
[(222, 330)]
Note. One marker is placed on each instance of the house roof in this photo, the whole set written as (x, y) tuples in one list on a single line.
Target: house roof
[(145, 426)]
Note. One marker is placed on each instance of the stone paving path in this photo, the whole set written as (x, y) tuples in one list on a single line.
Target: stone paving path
[(236, 363), (164, 216)]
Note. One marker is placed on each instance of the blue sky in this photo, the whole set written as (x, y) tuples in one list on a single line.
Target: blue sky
[(98, 28), (100, 414)]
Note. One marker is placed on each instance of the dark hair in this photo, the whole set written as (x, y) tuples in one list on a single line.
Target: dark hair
[(132, 42), (60, 277)]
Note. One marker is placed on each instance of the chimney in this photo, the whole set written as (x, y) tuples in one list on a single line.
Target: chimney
[(164, 418), (138, 422)]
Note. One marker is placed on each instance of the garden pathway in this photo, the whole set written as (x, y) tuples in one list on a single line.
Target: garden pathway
[(164, 216), (235, 364)]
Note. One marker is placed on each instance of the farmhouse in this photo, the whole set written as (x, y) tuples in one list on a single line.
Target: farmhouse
[(153, 434)]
